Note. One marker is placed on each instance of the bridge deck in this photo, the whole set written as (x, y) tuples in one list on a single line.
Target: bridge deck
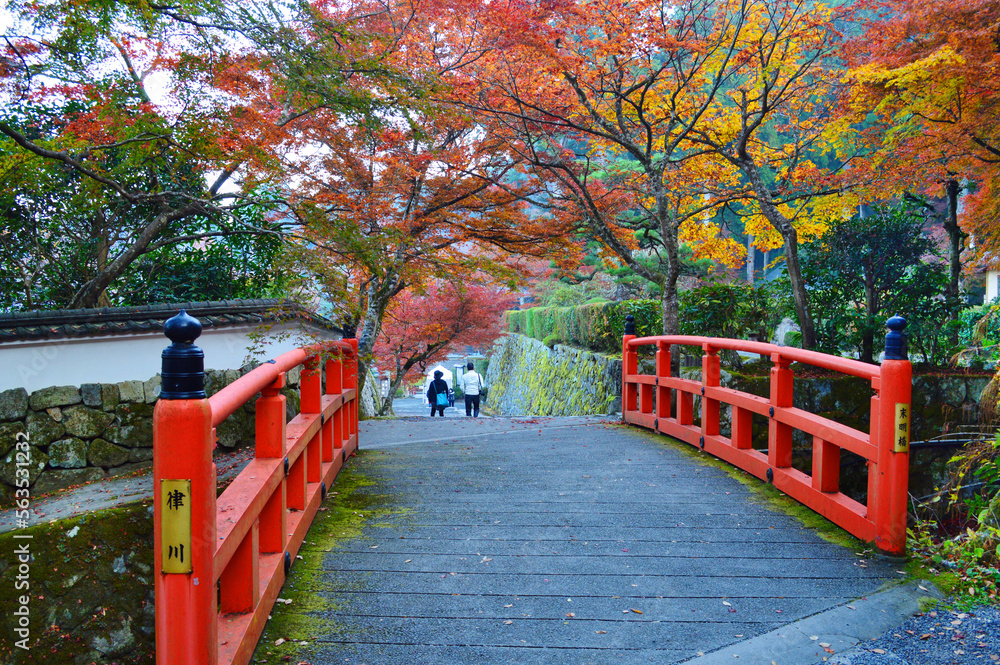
[(541, 543)]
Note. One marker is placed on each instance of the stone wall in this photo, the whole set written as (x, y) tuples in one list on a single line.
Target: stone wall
[(525, 377), (941, 403), (80, 434), (85, 433)]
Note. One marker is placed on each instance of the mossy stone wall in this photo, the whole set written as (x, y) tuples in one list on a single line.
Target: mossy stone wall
[(941, 403), (90, 586), (525, 377)]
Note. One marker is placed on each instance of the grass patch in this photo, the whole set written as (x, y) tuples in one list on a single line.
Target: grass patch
[(350, 508)]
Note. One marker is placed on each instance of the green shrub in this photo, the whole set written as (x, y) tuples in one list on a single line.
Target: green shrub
[(598, 326), (793, 338)]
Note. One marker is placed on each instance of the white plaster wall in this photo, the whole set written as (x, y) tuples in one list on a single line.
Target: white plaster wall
[(111, 359), (992, 285)]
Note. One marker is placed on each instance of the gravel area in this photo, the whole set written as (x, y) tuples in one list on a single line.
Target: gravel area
[(939, 637)]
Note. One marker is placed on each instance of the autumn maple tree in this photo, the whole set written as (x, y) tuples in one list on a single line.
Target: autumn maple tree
[(170, 117), (420, 329), (777, 128), (924, 77), (643, 124), (416, 193), (597, 99)]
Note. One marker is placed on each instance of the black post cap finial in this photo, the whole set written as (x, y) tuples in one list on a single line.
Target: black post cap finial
[(183, 368), (629, 324), (182, 328), (895, 339)]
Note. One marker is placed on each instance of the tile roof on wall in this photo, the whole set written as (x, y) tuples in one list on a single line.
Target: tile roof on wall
[(76, 323)]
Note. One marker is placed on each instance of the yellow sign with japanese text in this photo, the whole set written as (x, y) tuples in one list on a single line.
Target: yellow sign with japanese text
[(175, 526), (901, 435)]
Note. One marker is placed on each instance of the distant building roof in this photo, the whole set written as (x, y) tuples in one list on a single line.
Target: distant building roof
[(75, 323)]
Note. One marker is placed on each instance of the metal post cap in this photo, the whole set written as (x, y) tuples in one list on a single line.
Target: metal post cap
[(350, 330), (183, 363), (182, 328), (895, 339), (629, 324)]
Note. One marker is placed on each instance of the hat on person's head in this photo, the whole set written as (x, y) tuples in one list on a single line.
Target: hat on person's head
[(438, 374)]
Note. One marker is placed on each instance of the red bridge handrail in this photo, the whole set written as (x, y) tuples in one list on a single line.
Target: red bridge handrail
[(665, 404), (242, 543), (239, 392), (793, 354)]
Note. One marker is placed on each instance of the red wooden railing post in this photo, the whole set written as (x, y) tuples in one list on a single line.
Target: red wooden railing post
[(662, 372), (892, 436), (271, 420), (334, 386), (630, 366), (351, 383), (779, 437), (710, 376), (184, 505), (312, 402)]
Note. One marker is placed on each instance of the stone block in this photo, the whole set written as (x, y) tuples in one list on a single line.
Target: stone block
[(68, 454), (43, 429), (106, 454), (13, 404), (214, 381), (110, 396), (37, 459), (57, 479), (151, 389), (230, 375), (8, 436), (86, 422), (55, 413), (141, 455), (131, 391), (91, 394), (46, 398), (975, 387), (952, 390), (236, 431), (134, 428)]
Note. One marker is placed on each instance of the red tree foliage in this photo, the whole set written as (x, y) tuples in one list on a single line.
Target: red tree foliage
[(421, 329)]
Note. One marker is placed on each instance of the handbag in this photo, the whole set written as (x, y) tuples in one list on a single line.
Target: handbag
[(442, 399)]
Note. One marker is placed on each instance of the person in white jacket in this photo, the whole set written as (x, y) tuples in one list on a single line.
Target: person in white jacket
[(472, 386)]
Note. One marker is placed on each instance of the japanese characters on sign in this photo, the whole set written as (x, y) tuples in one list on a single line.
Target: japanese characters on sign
[(901, 434), (175, 523)]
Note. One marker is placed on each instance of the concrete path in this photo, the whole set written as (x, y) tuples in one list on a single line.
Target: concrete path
[(554, 541)]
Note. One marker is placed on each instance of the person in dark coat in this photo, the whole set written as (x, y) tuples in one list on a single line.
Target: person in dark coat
[(438, 387)]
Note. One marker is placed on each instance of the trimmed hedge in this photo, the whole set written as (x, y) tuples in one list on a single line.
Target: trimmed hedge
[(597, 326)]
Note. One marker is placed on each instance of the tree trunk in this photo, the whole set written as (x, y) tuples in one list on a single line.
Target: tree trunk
[(397, 380), (799, 294), (783, 226), (955, 238), (89, 294), (871, 311), (379, 296)]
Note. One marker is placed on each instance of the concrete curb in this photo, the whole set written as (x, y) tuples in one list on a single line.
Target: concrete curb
[(841, 628)]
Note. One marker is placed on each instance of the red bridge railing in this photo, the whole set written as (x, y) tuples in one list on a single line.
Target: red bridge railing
[(220, 562), (665, 404)]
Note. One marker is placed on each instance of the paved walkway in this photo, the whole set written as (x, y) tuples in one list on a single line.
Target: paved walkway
[(567, 541)]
